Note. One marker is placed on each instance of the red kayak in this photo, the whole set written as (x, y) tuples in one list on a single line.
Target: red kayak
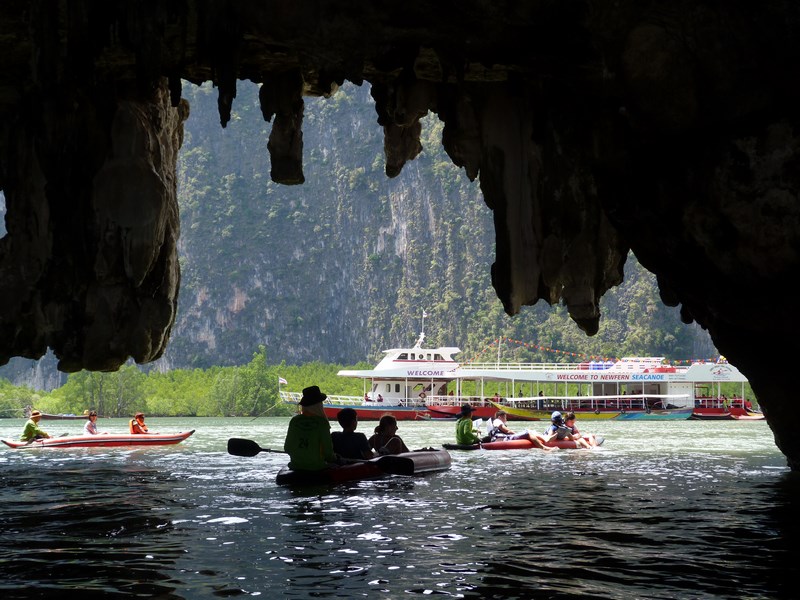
[(104, 440), (523, 444)]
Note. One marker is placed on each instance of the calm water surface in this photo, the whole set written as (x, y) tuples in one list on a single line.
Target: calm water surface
[(663, 510)]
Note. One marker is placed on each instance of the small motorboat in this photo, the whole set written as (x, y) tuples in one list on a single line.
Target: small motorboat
[(56, 417), (103, 440)]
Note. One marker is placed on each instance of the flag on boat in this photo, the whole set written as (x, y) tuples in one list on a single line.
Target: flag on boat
[(282, 381)]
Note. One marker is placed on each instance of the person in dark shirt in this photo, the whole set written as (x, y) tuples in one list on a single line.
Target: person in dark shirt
[(349, 443)]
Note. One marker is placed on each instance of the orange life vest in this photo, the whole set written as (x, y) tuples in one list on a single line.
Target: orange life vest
[(137, 427)]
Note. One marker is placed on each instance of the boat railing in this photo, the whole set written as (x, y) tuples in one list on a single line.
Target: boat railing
[(506, 366), (722, 402), (644, 365), (551, 403), (621, 402), (294, 398), (457, 401)]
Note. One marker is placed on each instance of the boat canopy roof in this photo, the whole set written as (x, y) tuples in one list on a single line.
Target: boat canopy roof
[(438, 364), (628, 369), (411, 363)]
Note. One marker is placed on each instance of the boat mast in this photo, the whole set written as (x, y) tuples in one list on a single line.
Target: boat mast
[(421, 338)]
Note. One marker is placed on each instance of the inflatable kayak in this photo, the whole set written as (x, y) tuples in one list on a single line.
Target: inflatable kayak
[(103, 440), (519, 445), (417, 462)]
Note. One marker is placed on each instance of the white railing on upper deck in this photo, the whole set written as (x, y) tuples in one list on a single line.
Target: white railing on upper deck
[(550, 403), (294, 398), (622, 365), (505, 366)]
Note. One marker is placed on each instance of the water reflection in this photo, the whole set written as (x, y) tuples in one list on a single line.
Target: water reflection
[(56, 523)]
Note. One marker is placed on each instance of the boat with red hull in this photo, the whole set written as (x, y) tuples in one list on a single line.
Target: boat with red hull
[(103, 440), (415, 382), (398, 385), (726, 414), (374, 413), (480, 410), (631, 388)]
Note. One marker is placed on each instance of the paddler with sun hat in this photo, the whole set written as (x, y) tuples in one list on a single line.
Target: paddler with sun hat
[(308, 438), (32, 430), (465, 433)]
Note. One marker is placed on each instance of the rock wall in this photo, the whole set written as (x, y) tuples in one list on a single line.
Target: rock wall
[(89, 262)]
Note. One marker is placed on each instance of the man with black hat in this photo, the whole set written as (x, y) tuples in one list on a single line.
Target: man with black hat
[(308, 439), (465, 434)]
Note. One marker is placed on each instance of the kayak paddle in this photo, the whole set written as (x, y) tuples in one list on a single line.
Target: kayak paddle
[(242, 447)]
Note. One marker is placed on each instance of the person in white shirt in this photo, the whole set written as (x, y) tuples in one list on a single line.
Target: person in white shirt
[(90, 428)]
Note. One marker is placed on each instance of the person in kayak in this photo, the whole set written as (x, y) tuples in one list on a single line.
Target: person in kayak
[(385, 440), (585, 441), (559, 431), (32, 431), (308, 438), (465, 432), (500, 431), (90, 428), (137, 425), (350, 443)]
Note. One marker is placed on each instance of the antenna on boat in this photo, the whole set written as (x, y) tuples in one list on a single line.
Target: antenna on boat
[(419, 341)]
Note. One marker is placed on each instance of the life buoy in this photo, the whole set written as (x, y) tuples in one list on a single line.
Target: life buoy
[(422, 395), (597, 411)]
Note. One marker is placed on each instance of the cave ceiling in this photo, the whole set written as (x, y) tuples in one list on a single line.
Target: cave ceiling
[(593, 128)]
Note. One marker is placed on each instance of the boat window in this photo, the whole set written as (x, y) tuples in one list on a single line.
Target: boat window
[(429, 356), (437, 357), (403, 356), (374, 387), (397, 387), (388, 387)]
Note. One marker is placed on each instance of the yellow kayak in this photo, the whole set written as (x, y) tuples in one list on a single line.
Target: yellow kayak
[(532, 414)]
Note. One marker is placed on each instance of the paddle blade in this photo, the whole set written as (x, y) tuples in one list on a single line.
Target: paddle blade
[(242, 447)]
